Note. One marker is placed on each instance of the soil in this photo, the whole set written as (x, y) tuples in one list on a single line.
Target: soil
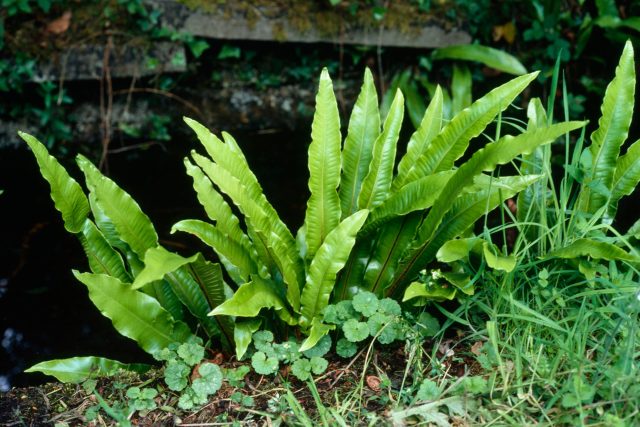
[(67, 403)]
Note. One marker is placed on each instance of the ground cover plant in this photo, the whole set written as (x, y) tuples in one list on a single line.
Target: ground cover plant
[(548, 315)]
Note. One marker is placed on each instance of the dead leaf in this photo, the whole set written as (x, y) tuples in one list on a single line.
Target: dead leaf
[(59, 25), (506, 31), (476, 348), (373, 382)]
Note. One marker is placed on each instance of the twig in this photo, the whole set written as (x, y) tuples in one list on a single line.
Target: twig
[(346, 368), (163, 93), (105, 111)]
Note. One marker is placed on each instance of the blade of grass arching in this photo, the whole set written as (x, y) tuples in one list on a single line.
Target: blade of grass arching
[(533, 316), (297, 409), (554, 87), (322, 410)]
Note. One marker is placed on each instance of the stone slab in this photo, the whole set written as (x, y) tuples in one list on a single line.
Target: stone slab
[(235, 26), (86, 62)]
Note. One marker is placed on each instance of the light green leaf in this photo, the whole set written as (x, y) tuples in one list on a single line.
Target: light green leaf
[(377, 183), (242, 334), (453, 140), (274, 242), (133, 314), (67, 195), (458, 249), (434, 292), (485, 159), (132, 225), (364, 128), (238, 262), (217, 208), (329, 259), (103, 259), (627, 175), (78, 369), (417, 195), (317, 332), (613, 128), (488, 56), (496, 260), (460, 89), (420, 140), (593, 249), (249, 299), (157, 263), (323, 207)]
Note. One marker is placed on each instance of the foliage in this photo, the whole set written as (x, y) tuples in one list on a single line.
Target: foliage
[(356, 202), (140, 286), (268, 355), (187, 373)]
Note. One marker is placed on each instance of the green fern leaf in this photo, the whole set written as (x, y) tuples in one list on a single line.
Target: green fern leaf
[(323, 207), (133, 225), (364, 129), (613, 128), (134, 314), (324, 267), (67, 195), (377, 184)]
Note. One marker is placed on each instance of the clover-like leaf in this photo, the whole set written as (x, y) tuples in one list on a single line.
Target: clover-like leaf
[(390, 333), (301, 369), (166, 354), (186, 402), (263, 341), (149, 393), (320, 349), (191, 353), (389, 306), (318, 365), (346, 348), (355, 331), (264, 365), (377, 321), (287, 351), (175, 375), (339, 313), (366, 303), (210, 380), (428, 390), (133, 392)]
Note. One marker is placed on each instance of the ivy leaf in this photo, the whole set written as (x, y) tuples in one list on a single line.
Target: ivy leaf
[(175, 375), (366, 303), (346, 348), (133, 392), (355, 331), (149, 393), (301, 369), (339, 313), (264, 365), (262, 341), (167, 353), (390, 306), (191, 353), (390, 334), (377, 321), (287, 351), (186, 401), (210, 380), (320, 349), (318, 365), (428, 390)]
